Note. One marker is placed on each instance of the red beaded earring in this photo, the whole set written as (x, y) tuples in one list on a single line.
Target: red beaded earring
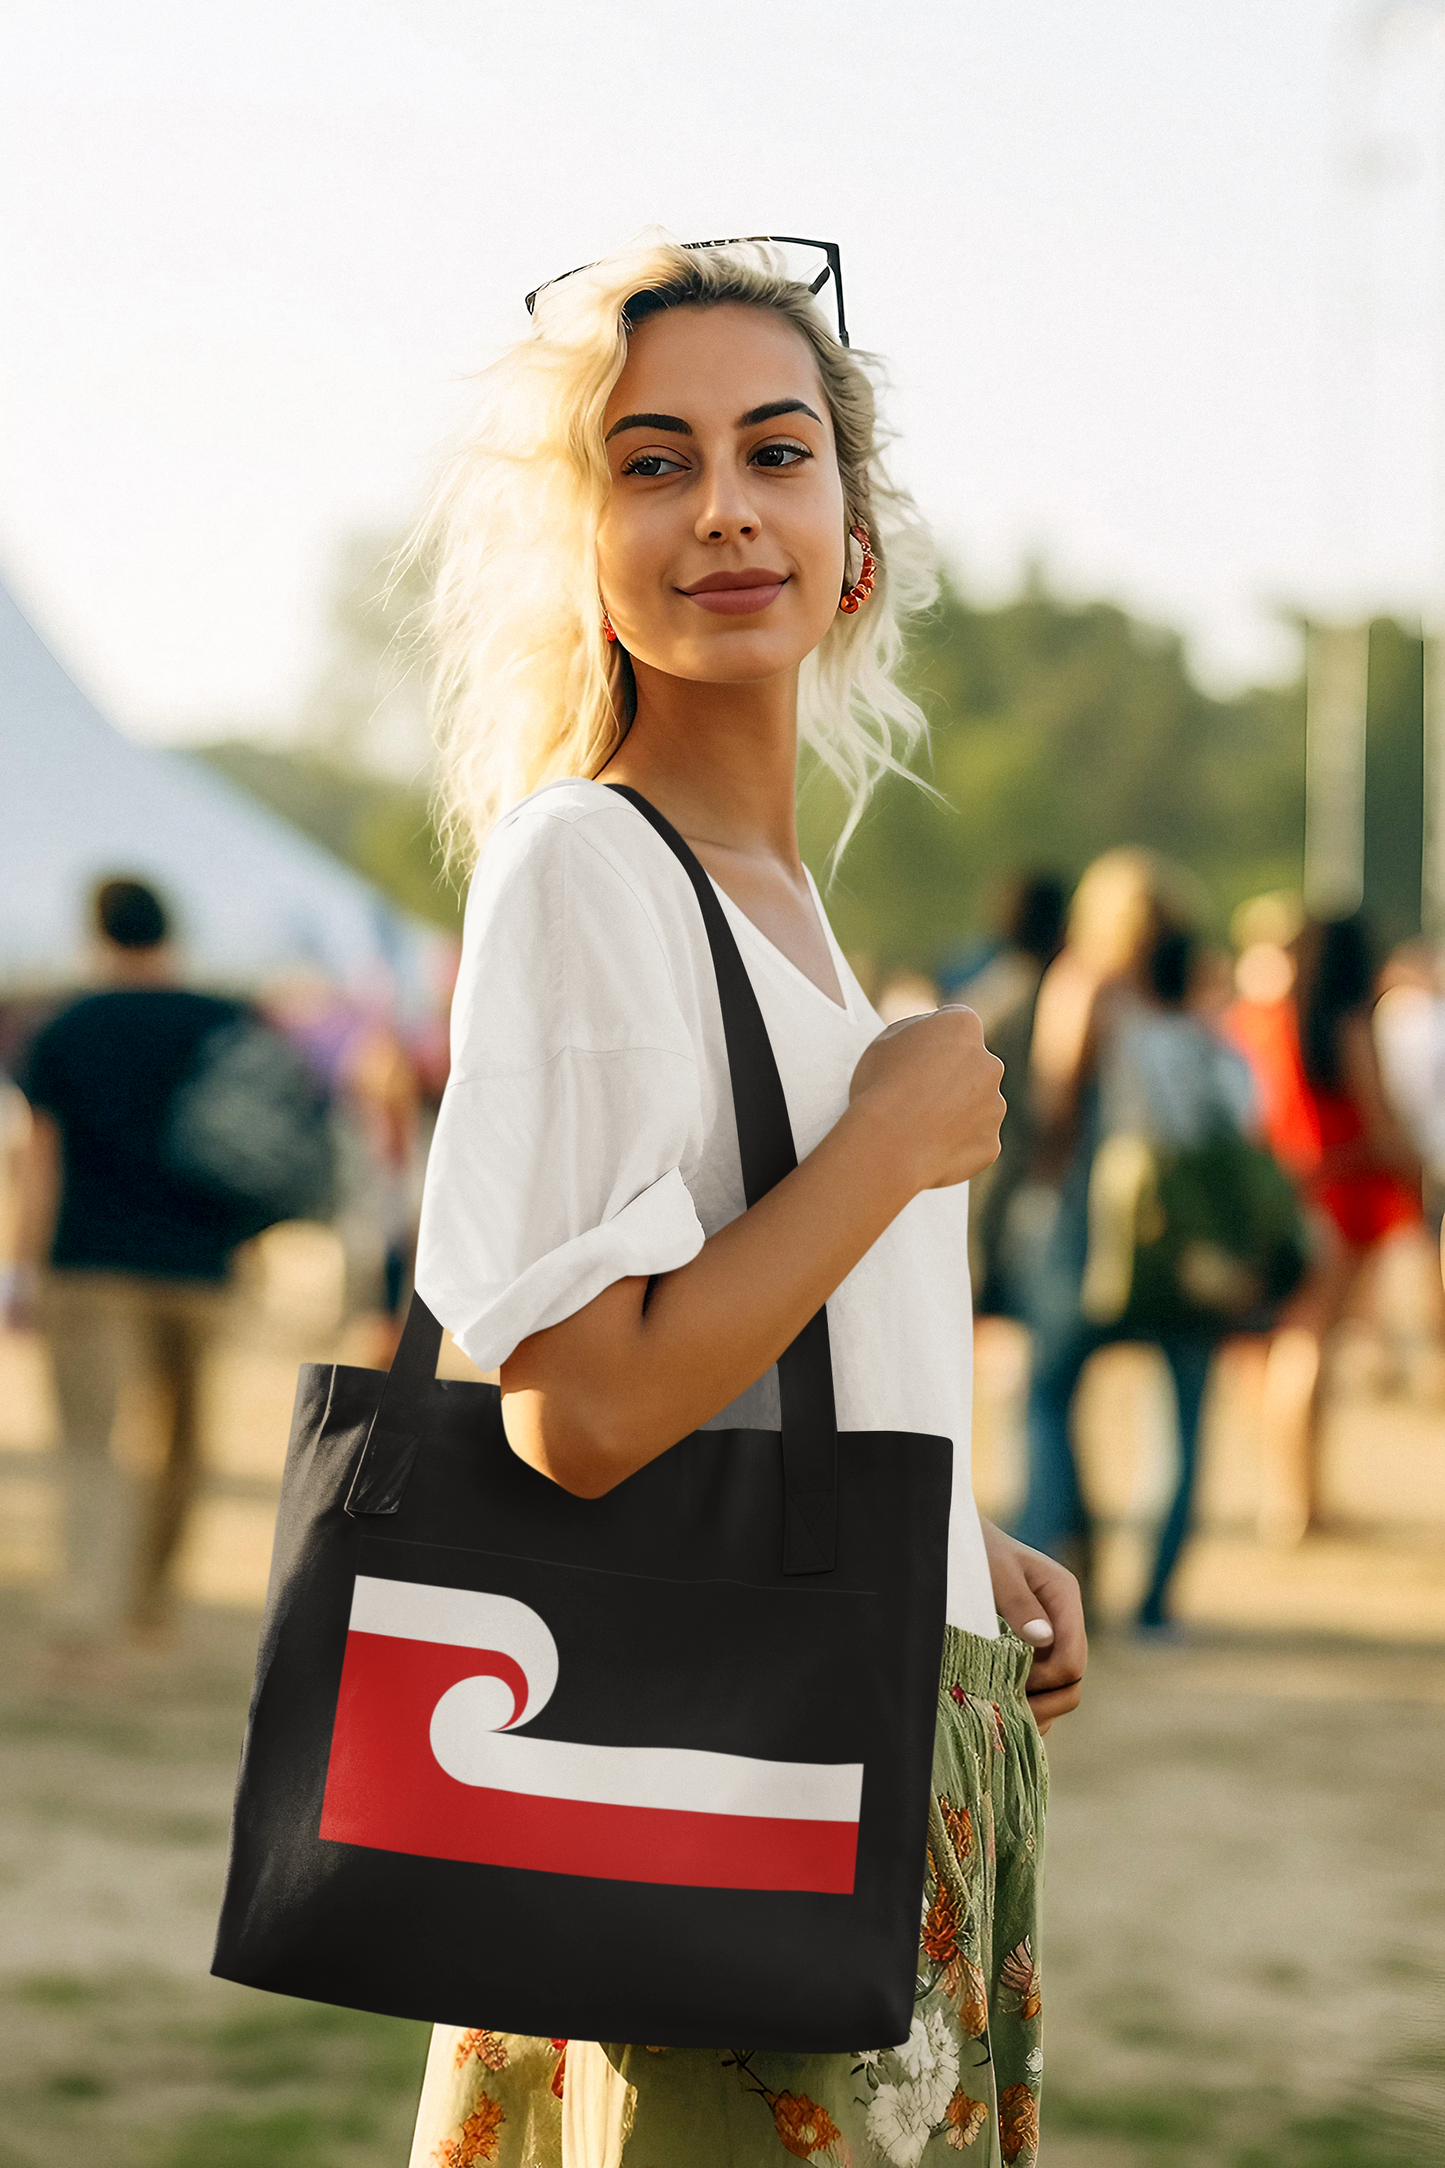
[(854, 597), (607, 631)]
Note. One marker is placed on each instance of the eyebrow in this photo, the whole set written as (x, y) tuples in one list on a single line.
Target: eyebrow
[(773, 409), (672, 422), (677, 427)]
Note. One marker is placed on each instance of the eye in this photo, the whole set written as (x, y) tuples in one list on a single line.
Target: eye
[(648, 464), (780, 454)]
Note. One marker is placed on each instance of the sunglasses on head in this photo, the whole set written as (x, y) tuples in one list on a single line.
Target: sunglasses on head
[(829, 250)]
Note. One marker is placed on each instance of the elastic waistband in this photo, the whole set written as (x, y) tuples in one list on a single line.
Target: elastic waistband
[(994, 1669)]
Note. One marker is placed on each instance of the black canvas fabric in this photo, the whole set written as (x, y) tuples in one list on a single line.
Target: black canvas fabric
[(749, 1609)]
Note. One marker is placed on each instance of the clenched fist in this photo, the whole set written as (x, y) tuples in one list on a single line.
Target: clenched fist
[(936, 1087)]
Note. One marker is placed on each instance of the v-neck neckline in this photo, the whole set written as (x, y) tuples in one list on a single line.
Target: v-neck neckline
[(843, 1008)]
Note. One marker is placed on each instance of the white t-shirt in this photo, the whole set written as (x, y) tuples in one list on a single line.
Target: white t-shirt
[(587, 1131)]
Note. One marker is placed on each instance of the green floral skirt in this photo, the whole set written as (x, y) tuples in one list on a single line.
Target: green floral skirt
[(964, 2083)]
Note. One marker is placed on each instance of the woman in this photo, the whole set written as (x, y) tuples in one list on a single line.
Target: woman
[(1115, 1062), (1328, 1120), (646, 576), (1168, 1089)]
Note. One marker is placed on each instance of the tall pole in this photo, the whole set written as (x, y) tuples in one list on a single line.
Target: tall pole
[(1337, 677), (1432, 868)]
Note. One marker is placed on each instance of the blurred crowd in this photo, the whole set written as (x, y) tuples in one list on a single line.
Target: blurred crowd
[(1200, 1142), (150, 1134)]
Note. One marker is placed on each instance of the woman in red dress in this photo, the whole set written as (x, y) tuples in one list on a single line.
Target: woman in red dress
[(1327, 1119)]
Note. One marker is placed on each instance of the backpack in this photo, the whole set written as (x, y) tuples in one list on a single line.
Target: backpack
[(1214, 1238), (249, 1128)]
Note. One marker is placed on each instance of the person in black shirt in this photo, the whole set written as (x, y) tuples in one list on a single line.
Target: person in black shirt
[(137, 1258)]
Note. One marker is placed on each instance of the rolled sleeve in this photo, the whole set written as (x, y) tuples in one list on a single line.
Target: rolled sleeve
[(656, 1232), (550, 1181)]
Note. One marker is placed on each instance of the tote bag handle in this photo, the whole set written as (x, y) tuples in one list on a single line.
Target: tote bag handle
[(767, 1152)]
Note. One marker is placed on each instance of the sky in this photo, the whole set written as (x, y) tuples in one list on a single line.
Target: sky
[(1158, 287)]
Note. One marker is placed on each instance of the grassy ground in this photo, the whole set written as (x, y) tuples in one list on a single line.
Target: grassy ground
[(115, 2044), (1244, 1965)]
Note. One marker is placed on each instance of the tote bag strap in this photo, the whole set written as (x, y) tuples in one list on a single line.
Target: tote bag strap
[(765, 1145)]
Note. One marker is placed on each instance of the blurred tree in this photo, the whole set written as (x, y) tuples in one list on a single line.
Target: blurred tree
[(356, 778), (380, 826), (1059, 730), (368, 708)]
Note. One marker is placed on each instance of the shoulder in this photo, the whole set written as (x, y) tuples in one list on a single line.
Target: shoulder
[(574, 818), (572, 933), (73, 1025), (59, 1025), (572, 850)]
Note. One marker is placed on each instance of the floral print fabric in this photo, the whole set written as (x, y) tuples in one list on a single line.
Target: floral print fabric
[(962, 2089)]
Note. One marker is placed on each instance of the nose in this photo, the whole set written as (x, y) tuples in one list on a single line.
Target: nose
[(727, 512)]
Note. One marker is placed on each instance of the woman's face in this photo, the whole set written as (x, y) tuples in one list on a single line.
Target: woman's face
[(721, 547)]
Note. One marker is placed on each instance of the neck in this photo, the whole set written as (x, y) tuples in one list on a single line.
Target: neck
[(138, 967), (720, 761)]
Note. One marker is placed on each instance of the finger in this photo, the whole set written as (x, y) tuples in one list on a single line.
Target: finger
[(1056, 1686), (1049, 1673), (1016, 1605), (1059, 1703), (1020, 1607), (1059, 1596)]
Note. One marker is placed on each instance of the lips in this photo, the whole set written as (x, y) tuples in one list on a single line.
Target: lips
[(736, 594)]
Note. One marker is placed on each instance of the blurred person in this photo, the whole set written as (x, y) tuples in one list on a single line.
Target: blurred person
[(1031, 930), (1004, 996), (123, 1254), (14, 1135), (1211, 985), (372, 1078), (1168, 1087), (1409, 1028), (1110, 1013), (706, 449), (1329, 1120), (904, 994), (1260, 1022), (429, 1042)]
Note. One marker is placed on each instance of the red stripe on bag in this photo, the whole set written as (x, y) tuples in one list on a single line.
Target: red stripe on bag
[(386, 1790)]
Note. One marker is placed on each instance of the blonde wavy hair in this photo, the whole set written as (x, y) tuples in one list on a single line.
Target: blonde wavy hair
[(524, 687)]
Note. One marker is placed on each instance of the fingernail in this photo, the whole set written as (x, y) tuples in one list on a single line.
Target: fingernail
[(1038, 1630)]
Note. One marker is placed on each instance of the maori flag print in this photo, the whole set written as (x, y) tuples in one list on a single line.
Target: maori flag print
[(432, 1754)]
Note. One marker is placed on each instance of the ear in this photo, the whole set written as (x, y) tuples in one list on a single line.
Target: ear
[(852, 552)]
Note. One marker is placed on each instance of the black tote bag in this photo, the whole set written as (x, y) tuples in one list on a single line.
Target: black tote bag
[(653, 1766)]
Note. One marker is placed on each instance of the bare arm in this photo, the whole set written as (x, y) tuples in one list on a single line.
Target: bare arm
[(593, 1399), (1385, 1139), (37, 1202)]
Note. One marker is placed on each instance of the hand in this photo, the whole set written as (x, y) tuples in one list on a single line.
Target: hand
[(937, 1086), (1041, 1601)]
